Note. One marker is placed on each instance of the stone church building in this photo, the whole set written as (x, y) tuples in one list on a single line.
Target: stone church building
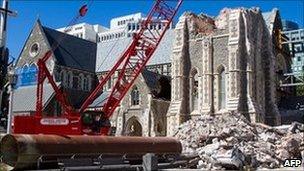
[(72, 64), (224, 64), (205, 65)]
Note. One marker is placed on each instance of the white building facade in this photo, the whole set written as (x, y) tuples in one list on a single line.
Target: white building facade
[(84, 31), (125, 26)]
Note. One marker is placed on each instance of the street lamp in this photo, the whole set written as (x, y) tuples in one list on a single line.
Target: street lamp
[(12, 79)]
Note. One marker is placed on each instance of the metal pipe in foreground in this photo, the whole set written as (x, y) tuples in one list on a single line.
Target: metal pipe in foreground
[(22, 150)]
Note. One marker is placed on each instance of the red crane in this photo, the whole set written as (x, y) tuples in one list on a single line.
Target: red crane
[(129, 66)]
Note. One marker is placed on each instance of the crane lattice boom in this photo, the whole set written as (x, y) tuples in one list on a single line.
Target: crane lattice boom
[(136, 56), (129, 65)]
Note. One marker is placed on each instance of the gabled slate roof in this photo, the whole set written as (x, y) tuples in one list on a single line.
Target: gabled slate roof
[(269, 18), (100, 100), (109, 52), (151, 79), (72, 51), (157, 83), (25, 97)]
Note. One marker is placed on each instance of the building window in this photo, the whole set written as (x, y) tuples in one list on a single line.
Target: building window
[(34, 50), (78, 28), (194, 90), (75, 82), (32, 74), (222, 89), (67, 30), (62, 76), (135, 96), (299, 59), (89, 85), (80, 81), (109, 83), (85, 84), (69, 80), (24, 75)]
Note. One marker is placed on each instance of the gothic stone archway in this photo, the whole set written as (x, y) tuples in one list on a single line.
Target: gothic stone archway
[(133, 127)]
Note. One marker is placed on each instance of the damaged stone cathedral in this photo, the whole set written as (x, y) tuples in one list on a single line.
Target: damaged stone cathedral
[(203, 66), (221, 65)]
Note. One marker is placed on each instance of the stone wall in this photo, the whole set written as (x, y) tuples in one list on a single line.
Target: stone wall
[(234, 44)]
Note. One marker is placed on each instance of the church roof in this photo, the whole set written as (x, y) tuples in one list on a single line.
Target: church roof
[(270, 17), (100, 100), (108, 52), (29, 93), (72, 51), (151, 79)]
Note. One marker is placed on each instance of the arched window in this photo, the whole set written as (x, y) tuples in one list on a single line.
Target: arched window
[(19, 72), (89, 82), (194, 89), (62, 76), (222, 89), (81, 80), (69, 79), (85, 84), (24, 75), (135, 96), (133, 127), (32, 74), (75, 82), (109, 83)]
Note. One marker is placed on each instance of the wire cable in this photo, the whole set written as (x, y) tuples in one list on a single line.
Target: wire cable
[(114, 45)]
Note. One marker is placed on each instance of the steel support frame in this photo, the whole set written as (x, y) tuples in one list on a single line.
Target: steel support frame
[(44, 73)]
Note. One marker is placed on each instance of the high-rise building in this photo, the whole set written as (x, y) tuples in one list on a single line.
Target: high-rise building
[(125, 26), (84, 31), (295, 44), (289, 25)]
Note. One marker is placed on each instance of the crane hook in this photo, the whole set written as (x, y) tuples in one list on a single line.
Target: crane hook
[(83, 10)]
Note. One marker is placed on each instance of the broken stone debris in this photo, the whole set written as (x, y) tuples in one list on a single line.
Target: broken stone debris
[(229, 141)]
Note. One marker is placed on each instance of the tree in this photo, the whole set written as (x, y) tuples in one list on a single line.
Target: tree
[(300, 88)]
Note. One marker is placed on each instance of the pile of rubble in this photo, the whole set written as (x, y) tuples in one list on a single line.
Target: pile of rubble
[(230, 142)]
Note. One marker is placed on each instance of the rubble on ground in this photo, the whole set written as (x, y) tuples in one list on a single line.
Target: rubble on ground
[(231, 142)]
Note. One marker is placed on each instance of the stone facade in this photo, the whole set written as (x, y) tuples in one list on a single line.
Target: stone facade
[(221, 65), (142, 112), (76, 81), (228, 63)]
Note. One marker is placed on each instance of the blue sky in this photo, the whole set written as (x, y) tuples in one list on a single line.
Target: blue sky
[(57, 14)]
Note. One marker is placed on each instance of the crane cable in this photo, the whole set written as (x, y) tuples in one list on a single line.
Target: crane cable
[(114, 45), (81, 13)]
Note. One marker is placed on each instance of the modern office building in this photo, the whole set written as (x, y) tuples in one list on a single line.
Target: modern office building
[(296, 47), (84, 31), (125, 26)]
